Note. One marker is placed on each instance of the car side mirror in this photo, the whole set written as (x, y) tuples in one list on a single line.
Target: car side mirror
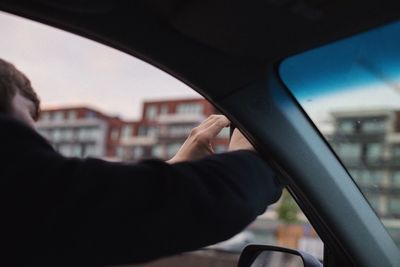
[(271, 256)]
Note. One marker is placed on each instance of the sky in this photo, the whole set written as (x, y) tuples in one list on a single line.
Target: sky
[(358, 73), (66, 69), (369, 58)]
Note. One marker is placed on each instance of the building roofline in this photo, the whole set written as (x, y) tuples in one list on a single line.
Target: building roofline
[(364, 112), (173, 100)]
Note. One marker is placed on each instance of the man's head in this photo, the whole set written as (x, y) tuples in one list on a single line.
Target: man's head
[(17, 97)]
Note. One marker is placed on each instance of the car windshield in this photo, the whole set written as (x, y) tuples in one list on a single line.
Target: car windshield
[(351, 91)]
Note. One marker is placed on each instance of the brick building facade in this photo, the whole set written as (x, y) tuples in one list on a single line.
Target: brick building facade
[(162, 128), (80, 131)]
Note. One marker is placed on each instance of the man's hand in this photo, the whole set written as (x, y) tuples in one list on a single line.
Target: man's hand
[(198, 144), (238, 142)]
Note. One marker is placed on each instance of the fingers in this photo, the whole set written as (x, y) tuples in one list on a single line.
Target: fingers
[(215, 128), (210, 128), (209, 121)]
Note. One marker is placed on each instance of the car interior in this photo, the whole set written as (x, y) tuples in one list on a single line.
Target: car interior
[(241, 55)]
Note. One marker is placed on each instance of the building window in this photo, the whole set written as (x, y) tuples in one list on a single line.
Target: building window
[(58, 116), (374, 150), (157, 151), (172, 149), (225, 133), (142, 131), (90, 114), (180, 130), (192, 108), (164, 109), (347, 126), (57, 136), (67, 134), (45, 116), (121, 153), (90, 150), (127, 131), (396, 152), (76, 151), (88, 133), (394, 205), (152, 131), (151, 112), (349, 151), (396, 179), (137, 152), (220, 148), (370, 178), (72, 115), (65, 150), (374, 126)]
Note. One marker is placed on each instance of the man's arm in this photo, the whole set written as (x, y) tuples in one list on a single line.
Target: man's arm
[(74, 212), (120, 213)]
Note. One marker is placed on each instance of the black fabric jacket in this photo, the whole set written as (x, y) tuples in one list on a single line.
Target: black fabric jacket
[(58, 211)]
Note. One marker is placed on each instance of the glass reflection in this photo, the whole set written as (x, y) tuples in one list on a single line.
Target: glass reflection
[(351, 91)]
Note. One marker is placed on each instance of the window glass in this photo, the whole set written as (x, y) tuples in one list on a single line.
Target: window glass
[(142, 130), (349, 150), (76, 150), (394, 206), (56, 135), (158, 151), (347, 126), (127, 131), (72, 115), (353, 86), (374, 150), (137, 152), (396, 179), (396, 152), (164, 109), (151, 112), (172, 149), (192, 108), (58, 116), (91, 92), (374, 126)]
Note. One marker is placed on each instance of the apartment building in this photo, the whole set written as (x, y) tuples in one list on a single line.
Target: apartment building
[(81, 131), (160, 131), (163, 127), (368, 143)]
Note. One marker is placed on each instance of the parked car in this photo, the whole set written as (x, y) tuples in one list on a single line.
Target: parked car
[(248, 58)]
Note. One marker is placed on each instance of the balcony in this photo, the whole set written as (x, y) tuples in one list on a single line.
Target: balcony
[(138, 141), (178, 118)]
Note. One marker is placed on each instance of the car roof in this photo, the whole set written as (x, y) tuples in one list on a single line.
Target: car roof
[(217, 47)]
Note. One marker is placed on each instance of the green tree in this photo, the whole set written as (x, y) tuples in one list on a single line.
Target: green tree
[(288, 208)]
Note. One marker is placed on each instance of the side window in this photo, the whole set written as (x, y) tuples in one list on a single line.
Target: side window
[(100, 102), (355, 103)]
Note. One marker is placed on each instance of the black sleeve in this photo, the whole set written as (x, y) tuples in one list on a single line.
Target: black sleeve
[(90, 212)]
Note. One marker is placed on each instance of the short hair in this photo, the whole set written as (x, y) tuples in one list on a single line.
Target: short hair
[(11, 82)]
